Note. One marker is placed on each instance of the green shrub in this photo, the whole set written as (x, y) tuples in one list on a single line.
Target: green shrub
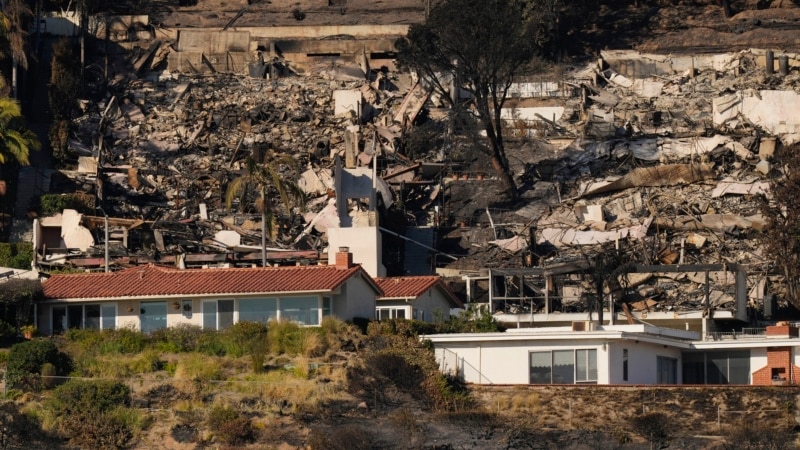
[(49, 374), (8, 335), (211, 343), (18, 296), (17, 255), (58, 135), (230, 426), (123, 340), (77, 396), (92, 413), (89, 340), (146, 362), (25, 361), (170, 367), (290, 339), (198, 367), (446, 393), (64, 80), (244, 338), (178, 339), (51, 204)]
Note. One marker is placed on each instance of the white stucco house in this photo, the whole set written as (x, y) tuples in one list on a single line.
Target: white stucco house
[(620, 355), (150, 297), (423, 298)]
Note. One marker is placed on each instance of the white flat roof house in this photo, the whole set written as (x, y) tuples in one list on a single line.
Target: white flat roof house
[(620, 354)]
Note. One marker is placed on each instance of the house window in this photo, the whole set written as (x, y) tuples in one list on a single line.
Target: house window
[(91, 317), (585, 366), (716, 367), (224, 314), (217, 314), (419, 314), (258, 310), (624, 364), (391, 313), (152, 316), (563, 367), (303, 310), (666, 370), (108, 316), (75, 316), (59, 319)]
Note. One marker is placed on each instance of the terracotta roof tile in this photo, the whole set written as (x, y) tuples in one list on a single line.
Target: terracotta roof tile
[(155, 281), (406, 287)]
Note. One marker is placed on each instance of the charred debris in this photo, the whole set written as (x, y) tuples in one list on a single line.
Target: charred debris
[(658, 159)]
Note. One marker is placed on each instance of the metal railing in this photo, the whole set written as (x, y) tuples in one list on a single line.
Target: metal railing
[(746, 333)]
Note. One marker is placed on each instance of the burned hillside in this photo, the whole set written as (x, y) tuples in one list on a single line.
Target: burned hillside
[(663, 156)]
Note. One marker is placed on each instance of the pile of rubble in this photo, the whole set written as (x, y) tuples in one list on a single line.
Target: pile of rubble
[(165, 148), (668, 161), (667, 154)]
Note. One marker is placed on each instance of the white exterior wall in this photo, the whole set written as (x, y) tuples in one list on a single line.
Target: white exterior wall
[(356, 299), (365, 243), (128, 314), (434, 303), (194, 317), (508, 362), (641, 362)]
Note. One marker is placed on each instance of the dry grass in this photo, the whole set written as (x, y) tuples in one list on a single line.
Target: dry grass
[(295, 389), (115, 365), (196, 366)]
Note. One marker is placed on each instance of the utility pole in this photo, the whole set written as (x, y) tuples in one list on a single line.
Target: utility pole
[(105, 222)]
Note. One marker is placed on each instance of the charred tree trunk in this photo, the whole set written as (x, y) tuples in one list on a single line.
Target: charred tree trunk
[(726, 8)]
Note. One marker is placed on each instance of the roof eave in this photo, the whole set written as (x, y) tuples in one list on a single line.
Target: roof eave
[(186, 296)]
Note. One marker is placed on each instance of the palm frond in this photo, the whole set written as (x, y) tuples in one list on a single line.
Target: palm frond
[(235, 187)]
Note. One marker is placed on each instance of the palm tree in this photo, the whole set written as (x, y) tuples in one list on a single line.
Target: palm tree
[(13, 20), (266, 179), (16, 140)]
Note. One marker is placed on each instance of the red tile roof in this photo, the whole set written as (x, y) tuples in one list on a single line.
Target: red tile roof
[(413, 287), (155, 281)]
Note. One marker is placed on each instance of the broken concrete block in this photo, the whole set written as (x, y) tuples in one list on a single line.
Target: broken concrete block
[(739, 150), (346, 102), (766, 149), (696, 240), (763, 166), (87, 164)]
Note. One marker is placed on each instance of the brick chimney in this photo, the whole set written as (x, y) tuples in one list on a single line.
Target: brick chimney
[(344, 259), (782, 330)]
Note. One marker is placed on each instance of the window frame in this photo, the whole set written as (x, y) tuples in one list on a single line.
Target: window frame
[(663, 366), (625, 356), (392, 312), (101, 318), (698, 367), (590, 360), (142, 306), (217, 314)]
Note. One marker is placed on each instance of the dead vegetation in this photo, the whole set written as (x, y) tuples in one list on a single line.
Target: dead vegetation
[(389, 394)]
